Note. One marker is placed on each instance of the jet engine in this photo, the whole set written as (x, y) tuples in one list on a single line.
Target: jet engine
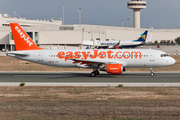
[(113, 68)]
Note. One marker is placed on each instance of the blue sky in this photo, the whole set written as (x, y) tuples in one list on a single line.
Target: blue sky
[(158, 14)]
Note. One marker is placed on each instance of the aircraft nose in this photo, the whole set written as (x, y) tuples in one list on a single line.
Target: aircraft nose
[(172, 61)]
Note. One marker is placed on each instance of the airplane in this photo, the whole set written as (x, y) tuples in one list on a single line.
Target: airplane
[(148, 40), (113, 61), (121, 43)]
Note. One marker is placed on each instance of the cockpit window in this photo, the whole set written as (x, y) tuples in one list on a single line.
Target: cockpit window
[(164, 55)]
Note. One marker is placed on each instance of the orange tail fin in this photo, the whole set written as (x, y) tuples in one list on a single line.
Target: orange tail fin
[(22, 39)]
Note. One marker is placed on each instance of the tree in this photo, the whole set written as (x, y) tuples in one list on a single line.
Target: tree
[(178, 40)]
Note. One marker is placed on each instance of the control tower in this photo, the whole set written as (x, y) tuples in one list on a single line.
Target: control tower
[(136, 5)]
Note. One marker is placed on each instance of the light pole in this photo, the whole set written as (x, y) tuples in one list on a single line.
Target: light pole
[(79, 15), (40, 15), (122, 22), (63, 12), (127, 22), (73, 20)]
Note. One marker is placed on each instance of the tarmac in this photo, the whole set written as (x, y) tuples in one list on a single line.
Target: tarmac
[(84, 79)]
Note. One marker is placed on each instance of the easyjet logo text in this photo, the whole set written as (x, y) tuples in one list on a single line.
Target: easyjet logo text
[(22, 35), (99, 54), (113, 68)]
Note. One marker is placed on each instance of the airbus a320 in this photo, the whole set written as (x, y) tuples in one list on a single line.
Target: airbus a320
[(113, 61)]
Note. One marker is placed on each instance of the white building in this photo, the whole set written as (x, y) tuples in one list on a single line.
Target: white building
[(53, 35)]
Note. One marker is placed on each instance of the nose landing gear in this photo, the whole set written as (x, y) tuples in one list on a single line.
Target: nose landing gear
[(152, 73)]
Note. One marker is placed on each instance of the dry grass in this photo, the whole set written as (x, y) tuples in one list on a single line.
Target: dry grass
[(90, 103), (13, 64)]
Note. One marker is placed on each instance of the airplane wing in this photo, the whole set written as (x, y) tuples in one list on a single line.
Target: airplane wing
[(96, 63)]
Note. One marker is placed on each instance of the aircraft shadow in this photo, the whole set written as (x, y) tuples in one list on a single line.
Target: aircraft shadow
[(87, 75)]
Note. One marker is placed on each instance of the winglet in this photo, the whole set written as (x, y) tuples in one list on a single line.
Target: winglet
[(22, 39)]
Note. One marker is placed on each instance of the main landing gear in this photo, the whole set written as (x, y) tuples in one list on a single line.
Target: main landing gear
[(94, 73), (151, 74)]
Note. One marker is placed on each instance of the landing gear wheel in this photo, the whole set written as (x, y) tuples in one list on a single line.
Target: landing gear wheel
[(93, 74), (96, 72), (151, 74)]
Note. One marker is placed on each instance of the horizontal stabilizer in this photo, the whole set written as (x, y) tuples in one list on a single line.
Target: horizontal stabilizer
[(17, 54)]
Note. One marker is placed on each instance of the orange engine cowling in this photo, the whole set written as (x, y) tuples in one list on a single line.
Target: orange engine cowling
[(114, 68)]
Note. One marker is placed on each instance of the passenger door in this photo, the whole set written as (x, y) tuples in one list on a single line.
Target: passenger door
[(152, 56)]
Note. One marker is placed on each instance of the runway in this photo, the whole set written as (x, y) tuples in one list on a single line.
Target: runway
[(84, 79)]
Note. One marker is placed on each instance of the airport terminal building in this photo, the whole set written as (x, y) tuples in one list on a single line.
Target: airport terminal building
[(51, 34)]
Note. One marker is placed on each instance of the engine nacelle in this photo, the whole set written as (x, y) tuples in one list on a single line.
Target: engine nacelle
[(124, 69), (114, 68)]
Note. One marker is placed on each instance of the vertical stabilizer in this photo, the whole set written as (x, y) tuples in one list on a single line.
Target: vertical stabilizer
[(143, 37), (149, 39), (22, 39)]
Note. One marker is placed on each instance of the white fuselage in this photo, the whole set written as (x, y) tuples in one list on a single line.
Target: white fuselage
[(125, 43), (127, 57)]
